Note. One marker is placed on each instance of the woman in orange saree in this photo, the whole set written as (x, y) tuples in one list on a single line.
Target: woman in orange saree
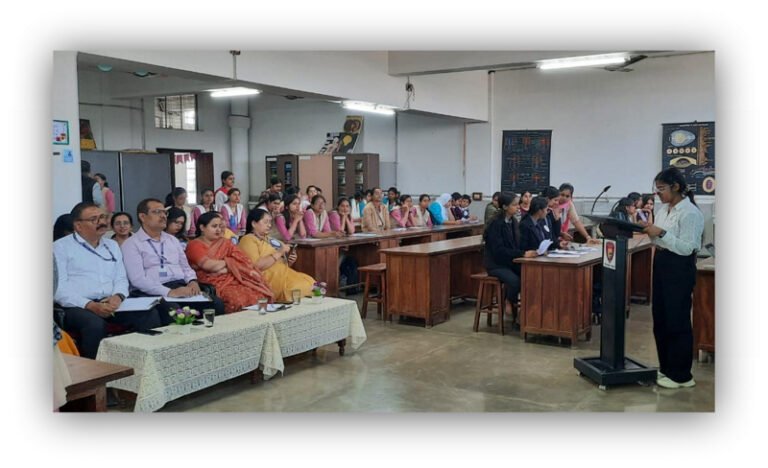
[(219, 262)]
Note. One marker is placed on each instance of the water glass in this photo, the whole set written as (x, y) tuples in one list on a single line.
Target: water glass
[(296, 296), (208, 315), (263, 305)]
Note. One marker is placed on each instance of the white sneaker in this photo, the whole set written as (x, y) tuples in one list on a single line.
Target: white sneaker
[(666, 382), (659, 375)]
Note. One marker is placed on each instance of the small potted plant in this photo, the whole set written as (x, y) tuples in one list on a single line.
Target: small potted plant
[(318, 292), (184, 317)]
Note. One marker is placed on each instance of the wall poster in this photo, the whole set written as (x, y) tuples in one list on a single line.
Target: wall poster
[(690, 147), (525, 160)]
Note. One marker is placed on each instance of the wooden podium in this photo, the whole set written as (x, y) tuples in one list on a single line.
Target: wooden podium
[(612, 367)]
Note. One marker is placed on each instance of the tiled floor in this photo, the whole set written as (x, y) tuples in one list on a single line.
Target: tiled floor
[(450, 368)]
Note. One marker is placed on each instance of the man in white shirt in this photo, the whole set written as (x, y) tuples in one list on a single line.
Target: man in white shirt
[(92, 282)]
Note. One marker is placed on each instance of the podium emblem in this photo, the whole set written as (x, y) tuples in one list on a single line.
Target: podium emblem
[(609, 254)]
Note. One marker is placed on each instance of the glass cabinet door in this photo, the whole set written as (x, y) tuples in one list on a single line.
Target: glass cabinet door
[(340, 172), (359, 174), (288, 171)]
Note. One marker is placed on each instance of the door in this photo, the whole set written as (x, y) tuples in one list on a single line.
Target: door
[(204, 174)]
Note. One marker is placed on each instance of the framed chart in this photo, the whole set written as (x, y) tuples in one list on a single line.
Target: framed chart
[(525, 158), (60, 132), (690, 147)]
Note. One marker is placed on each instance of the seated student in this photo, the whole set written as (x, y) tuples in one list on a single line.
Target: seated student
[(492, 208), (637, 200), (367, 197), (273, 258), (178, 198), (233, 212), (206, 204), (503, 245), (270, 203), (525, 202), (464, 203), (316, 220), (92, 282), (440, 210), (401, 212), (624, 210), (306, 200), (156, 264), (290, 223), (391, 199), (645, 214), (455, 208), (175, 225), (375, 214), (554, 215), (63, 226), (275, 187), (222, 193), (122, 225), (420, 214), (355, 204), (222, 264), (537, 226), (341, 219), (569, 215)]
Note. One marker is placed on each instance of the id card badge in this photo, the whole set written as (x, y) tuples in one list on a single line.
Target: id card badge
[(275, 243), (162, 273)]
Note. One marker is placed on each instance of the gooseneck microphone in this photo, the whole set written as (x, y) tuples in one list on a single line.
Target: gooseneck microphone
[(598, 197)]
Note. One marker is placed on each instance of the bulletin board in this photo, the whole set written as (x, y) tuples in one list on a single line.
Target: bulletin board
[(525, 158), (690, 147)]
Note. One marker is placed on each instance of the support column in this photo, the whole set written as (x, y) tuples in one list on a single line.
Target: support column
[(66, 173), (239, 123)]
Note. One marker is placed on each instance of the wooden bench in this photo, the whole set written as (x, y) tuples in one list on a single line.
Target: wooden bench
[(88, 391)]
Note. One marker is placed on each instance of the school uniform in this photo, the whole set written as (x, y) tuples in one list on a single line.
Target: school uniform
[(532, 233), (674, 276), (502, 247)]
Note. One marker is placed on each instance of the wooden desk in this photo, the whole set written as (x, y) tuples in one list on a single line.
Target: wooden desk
[(320, 258), (704, 308), (556, 293), (422, 278), (88, 391)]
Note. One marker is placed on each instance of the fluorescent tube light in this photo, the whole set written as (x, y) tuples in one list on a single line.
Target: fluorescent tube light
[(588, 61), (368, 107), (231, 92)]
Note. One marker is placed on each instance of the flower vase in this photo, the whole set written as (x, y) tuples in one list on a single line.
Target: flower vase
[(316, 299), (183, 329)]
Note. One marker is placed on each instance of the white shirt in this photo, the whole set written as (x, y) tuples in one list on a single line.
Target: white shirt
[(83, 276), (684, 224), (220, 199)]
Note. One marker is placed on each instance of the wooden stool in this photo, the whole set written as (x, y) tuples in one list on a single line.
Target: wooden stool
[(495, 288), (377, 270)]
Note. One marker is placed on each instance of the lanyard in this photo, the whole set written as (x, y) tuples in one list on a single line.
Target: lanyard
[(162, 251), (378, 213), (90, 249)]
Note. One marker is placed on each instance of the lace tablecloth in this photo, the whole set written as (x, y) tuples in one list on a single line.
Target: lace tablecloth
[(169, 366), (307, 326)]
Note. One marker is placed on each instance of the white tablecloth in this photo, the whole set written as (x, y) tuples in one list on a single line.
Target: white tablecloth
[(169, 366)]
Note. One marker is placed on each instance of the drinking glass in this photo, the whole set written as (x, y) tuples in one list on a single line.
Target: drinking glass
[(296, 296), (208, 315), (263, 305)]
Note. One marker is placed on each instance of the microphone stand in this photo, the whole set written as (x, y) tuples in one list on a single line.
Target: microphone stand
[(591, 211)]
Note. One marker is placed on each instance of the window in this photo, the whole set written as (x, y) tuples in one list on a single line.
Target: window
[(176, 112)]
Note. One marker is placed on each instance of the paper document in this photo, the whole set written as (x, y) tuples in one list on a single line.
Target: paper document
[(364, 234), (560, 255), (398, 229), (572, 253), (544, 246), (198, 298), (270, 307), (137, 304)]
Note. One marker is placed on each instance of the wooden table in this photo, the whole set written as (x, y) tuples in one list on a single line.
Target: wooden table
[(704, 308), (88, 391), (320, 258), (556, 293), (421, 279)]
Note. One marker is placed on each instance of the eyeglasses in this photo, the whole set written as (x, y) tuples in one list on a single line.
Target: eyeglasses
[(177, 222), (94, 219), (660, 188), (158, 212), (122, 223)]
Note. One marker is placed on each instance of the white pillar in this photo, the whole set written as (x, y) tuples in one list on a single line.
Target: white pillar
[(239, 123), (65, 106)]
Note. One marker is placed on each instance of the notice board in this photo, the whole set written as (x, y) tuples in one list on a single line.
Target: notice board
[(690, 147), (525, 160)]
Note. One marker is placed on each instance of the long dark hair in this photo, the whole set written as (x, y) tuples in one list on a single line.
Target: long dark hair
[(537, 203), (213, 203), (287, 208), (505, 199), (63, 226), (672, 176), (621, 207), (174, 213), (170, 199), (204, 220), (254, 215), (102, 177)]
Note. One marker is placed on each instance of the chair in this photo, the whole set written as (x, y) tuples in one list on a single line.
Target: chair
[(378, 270), (490, 288)]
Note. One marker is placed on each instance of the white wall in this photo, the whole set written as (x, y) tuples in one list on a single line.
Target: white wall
[(66, 175)]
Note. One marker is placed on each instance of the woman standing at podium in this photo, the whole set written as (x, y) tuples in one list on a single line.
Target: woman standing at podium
[(677, 236)]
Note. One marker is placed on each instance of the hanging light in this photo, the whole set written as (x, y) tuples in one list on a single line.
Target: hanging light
[(368, 107), (585, 61)]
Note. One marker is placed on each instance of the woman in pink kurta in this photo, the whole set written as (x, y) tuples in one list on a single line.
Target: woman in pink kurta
[(233, 212), (341, 219), (290, 223), (316, 219), (401, 213)]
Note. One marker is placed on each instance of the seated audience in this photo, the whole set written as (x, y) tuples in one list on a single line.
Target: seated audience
[(503, 245), (222, 193), (122, 225), (221, 263), (341, 219), (271, 204), (391, 199), (538, 225), (420, 215), (492, 208), (464, 203), (175, 225), (646, 212), (525, 203), (624, 210), (554, 214), (568, 215), (316, 220), (273, 258), (233, 212), (455, 209), (441, 210), (306, 200), (206, 204), (375, 214), (178, 198), (290, 223), (401, 212), (63, 226), (357, 205), (275, 188), (156, 263), (92, 282)]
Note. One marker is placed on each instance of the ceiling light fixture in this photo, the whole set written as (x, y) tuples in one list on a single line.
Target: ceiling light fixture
[(586, 61), (368, 107), (232, 92)]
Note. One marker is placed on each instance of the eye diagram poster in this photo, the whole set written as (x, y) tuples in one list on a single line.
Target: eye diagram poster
[(690, 147), (525, 160)]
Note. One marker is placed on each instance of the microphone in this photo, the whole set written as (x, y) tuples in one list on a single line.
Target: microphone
[(595, 202)]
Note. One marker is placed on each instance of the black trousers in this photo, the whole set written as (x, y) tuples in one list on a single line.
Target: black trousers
[(673, 279), (92, 328), (166, 307), (510, 279)]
